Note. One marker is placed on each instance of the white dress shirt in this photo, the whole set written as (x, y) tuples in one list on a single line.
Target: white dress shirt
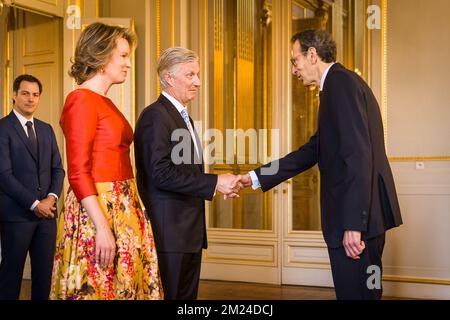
[(23, 122), (324, 76), (253, 176), (180, 108)]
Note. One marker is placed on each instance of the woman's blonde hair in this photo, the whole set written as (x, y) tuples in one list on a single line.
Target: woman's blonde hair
[(95, 48)]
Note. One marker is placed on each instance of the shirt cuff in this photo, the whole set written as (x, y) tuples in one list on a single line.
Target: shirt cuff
[(52, 194), (34, 205), (255, 181)]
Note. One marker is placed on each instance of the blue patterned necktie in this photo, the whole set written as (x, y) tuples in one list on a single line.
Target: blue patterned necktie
[(185, 116)]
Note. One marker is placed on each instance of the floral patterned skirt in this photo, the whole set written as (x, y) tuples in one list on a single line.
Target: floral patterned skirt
[(135, 273)]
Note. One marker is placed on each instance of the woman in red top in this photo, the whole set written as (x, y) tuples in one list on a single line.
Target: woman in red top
[(105, 248)]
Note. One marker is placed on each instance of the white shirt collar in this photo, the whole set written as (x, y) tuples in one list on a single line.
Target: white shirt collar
[(174, 101), (22, 119), (180, 108), (324, 76)]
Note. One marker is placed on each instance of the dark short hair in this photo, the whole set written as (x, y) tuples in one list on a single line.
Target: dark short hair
[(321, 40), (28, 78)]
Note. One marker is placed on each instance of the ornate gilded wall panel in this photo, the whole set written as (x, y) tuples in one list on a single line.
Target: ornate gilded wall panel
[(240, 100)]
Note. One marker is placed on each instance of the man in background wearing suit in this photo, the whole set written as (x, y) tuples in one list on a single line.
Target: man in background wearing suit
[(172, 182), (358, 198), (31, 178)]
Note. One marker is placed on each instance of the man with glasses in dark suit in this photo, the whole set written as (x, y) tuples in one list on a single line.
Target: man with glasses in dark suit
[(357, 197)]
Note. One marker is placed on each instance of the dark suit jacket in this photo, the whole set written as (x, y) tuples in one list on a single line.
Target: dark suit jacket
[(357, 186), (173, 193), (24, 176)]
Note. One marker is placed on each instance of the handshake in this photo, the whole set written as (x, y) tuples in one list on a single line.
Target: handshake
[(229, 184)]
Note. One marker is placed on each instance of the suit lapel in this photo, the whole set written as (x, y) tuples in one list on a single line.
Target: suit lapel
[(176, 116), (199, 161), (172, 110), (21, 133), (42, 146), (324, 101), (335, 67)]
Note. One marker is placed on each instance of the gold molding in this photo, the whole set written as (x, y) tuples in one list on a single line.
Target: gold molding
[(209, 259), (245, 231), (133, 81), (417, 280), (417, 158), (292, 247), (367, 49), (239, 264), (384, 100), (7, 66), (309, 262), (80, 4), (314, 263), (25, 36), (305, 4), (31, 9), (158, 41), (313, 268), (172, 23), (272, 260)]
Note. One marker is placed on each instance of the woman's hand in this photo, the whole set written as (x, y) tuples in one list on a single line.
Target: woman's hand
[(105, 247), (105, 243)]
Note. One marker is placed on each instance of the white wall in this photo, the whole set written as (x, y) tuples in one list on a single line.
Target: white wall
[(417, 257)]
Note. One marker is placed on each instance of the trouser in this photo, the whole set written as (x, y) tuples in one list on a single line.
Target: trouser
[(17, 239), (180, 274), (358, 279)]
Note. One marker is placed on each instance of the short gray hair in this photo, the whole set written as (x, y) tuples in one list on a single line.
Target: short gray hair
[(171, 58)]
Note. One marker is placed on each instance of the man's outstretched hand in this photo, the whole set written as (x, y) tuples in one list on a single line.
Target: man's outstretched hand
[(230, 185), (246, 180)]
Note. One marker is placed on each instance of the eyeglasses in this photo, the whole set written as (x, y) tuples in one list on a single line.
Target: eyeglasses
[(304, 53)]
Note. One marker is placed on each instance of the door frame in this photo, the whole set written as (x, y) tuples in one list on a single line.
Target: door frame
[(16, 64), (279, 255)]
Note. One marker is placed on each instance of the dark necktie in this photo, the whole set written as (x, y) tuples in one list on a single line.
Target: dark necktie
[(32, 136)]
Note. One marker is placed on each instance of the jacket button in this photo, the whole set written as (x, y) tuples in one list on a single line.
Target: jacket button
[(364, 213), (39, 189)]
